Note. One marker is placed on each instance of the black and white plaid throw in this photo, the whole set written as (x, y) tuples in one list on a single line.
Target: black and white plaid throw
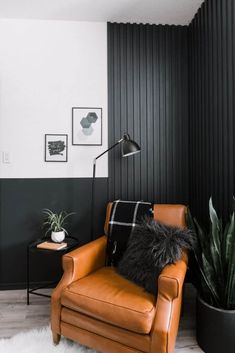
[(125, 215)]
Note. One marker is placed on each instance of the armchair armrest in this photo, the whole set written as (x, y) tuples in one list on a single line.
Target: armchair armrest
[(168, 306), (86, 259), (76, 265), (171, 280)]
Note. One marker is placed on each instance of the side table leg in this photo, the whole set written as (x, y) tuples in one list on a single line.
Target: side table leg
[(27, 275)]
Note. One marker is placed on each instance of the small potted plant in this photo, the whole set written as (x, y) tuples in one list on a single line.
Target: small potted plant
[(55, 223), (215, 274)]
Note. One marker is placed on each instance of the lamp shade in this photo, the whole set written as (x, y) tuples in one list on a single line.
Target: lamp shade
[(129, 147)]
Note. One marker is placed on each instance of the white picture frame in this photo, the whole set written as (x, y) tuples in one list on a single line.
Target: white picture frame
[(86, 126)]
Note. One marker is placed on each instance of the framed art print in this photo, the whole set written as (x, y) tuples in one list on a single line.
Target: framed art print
[(87, 126), (56, 148)]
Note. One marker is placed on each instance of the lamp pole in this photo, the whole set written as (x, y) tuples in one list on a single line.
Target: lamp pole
[(93, 186), (129, 148)]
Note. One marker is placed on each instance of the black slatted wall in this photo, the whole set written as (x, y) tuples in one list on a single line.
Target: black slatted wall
[(148, 97), (212, 104)]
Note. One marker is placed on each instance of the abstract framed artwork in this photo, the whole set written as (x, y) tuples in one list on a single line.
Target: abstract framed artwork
[(56, 148), (86, 126)]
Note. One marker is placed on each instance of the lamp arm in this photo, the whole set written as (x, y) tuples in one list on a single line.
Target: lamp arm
[(110, 148)]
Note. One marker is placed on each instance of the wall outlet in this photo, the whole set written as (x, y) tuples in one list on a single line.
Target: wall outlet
[(5, 157)]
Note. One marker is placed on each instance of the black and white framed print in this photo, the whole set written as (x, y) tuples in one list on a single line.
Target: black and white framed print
[(56, 148), (87, 126)]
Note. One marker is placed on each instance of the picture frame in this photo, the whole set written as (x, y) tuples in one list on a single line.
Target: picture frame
[(56, 148), (87, 126)]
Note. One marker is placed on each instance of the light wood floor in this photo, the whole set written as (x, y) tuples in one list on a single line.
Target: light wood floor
[(16, 316)]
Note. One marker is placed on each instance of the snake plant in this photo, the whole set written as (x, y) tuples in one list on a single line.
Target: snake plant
[(215, 257)]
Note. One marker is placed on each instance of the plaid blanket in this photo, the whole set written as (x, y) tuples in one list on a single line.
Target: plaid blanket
[(125, 215)]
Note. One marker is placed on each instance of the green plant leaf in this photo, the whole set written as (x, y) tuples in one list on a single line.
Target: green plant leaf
[(216, 235), (230, 288), (215, 256), (229, 239), (207, 277), (210, 279), (55, 221), (215, 227)]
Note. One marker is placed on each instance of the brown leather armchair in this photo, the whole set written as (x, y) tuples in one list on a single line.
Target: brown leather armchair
[(95, 306)]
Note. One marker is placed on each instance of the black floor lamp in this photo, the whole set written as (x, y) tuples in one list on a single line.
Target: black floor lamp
[(129, 148)]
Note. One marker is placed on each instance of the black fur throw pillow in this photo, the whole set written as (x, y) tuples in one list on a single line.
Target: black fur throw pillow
[(150, 248)]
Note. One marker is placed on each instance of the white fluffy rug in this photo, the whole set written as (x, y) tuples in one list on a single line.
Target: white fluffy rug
[(39, 341)]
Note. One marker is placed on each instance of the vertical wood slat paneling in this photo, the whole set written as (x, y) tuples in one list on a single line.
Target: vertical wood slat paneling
[(148, 97), (211, 72), (149, 104)]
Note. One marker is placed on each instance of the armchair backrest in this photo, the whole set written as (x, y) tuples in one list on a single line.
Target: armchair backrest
[(170, 214)]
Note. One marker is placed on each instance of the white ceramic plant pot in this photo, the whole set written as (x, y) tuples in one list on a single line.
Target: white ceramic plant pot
[(58, 237)]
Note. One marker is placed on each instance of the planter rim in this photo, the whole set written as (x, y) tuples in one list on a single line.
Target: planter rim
[(227, 311)]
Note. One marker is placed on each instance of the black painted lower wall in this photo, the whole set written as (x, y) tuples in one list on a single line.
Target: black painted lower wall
[(21, 205)]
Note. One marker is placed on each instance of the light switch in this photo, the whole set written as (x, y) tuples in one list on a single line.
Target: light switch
[(5, 157)]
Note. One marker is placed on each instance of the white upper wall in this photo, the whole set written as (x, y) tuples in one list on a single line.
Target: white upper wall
[(46, 68), (178, 12)]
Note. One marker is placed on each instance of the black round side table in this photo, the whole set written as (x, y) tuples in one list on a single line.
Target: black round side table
[(72, 243)]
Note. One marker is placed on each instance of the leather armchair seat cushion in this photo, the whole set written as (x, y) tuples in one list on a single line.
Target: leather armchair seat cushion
[(106, 296), (117, 334)]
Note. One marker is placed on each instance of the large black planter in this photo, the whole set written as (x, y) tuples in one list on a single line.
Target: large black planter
[(215, 328)]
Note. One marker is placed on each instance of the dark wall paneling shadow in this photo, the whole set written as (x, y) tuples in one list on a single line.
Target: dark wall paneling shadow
[(212, 128), (148, 97), (22, 201)]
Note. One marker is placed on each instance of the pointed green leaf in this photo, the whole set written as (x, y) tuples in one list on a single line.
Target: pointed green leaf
[(210, 279), (214, 226), (229, 240)]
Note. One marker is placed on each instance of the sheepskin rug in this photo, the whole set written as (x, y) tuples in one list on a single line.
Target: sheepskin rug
[(39, 341)]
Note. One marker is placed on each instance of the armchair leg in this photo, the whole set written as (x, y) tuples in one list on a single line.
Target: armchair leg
[(56, 338)]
